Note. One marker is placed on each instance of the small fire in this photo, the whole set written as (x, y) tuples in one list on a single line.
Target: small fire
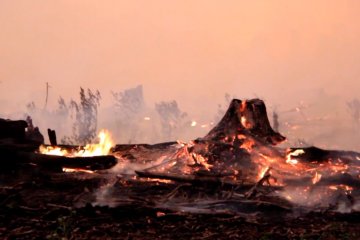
[(295, 153), (201, 160), (193, 123), (263, 172), (248, 144), (98, 149)]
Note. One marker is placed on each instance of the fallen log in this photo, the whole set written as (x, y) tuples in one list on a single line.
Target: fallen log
[(201, 180), (57, 162)]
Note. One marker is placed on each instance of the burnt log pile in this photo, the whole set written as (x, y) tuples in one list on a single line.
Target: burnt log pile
[(232, 150), (20, 142), (227, 147)]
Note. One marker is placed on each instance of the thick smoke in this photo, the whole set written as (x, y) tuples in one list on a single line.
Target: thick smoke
[(322, 119)]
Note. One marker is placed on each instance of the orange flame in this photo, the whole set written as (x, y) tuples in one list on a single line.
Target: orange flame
[(295, 153), (244, 121), (98, 149)]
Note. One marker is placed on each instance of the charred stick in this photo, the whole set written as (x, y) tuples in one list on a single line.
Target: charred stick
[(52, 137), (254, 190)]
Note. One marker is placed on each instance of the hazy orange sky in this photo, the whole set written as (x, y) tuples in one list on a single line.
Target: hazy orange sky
[(186, 50)]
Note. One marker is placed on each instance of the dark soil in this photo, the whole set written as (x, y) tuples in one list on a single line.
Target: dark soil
[(36, 204)]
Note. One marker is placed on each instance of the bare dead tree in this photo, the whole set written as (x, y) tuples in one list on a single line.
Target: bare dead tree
[(354, 110), (63, 108), (85, 116), (171, 116), (47, 95), (129, 105), (129, 102), (31, 108)]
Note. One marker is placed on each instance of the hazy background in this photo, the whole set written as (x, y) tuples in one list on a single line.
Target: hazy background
[(289, 53)]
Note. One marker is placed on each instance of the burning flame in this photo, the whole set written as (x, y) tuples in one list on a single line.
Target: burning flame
[(98, 149), (244, 121), (295, 153)]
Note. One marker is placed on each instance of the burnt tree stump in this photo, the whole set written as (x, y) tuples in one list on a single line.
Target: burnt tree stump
[(245, 117)]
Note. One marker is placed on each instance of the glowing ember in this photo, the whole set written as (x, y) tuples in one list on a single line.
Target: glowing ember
[(248, 144), (158, 180), (316, 178), (98, 149), (72, 170), (201, 160), (341, 187)]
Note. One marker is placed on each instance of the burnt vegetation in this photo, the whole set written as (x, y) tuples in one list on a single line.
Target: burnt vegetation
[(227, 184), (85, 117)]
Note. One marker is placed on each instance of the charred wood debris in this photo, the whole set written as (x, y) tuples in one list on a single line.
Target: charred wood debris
[(199, 190)]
